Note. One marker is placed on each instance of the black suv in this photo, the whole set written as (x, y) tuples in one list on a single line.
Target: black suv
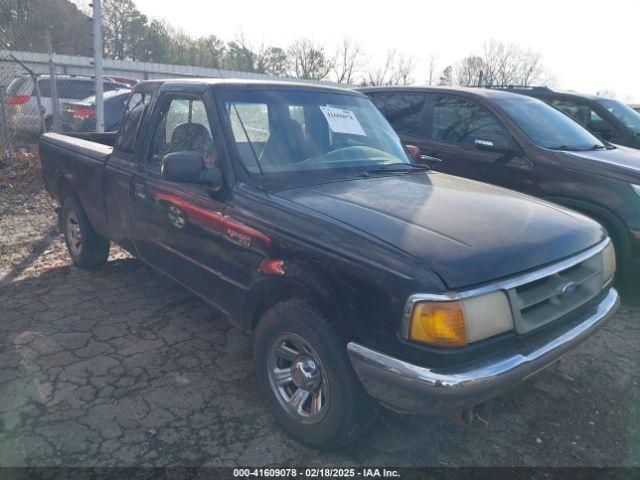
[(607, 118), (523, 144)]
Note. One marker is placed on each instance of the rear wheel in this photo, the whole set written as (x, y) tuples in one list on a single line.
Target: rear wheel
[(87, 249), (307, 379)]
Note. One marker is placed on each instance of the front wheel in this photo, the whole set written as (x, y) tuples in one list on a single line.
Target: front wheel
[(87, 249), (307, 379)]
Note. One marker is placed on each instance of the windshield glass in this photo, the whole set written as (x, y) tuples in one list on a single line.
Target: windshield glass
[(627, 115), (284, 131), (546, 126)]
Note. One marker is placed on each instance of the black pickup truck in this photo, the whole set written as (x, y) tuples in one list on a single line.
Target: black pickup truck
[(296, 211)]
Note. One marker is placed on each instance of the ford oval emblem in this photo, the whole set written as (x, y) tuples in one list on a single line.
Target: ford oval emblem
[(569, 289)]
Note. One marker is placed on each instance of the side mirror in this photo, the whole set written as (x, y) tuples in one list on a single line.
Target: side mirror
[(492, 142), (415, 152), (189, 167), (183, 167)]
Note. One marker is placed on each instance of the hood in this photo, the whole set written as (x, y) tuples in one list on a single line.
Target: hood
[(621, 163), (467, 232)]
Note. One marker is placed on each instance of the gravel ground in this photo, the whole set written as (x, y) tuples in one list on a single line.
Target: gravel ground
[(122, 367)]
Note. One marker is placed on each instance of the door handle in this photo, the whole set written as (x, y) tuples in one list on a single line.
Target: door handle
[(430, 159), (139, 190)]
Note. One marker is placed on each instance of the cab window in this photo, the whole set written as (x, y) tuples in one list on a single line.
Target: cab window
[(136, 106), (183, 126)]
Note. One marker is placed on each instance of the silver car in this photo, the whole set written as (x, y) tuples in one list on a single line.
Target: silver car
[(23, 111)]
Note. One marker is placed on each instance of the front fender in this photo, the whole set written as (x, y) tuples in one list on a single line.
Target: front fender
[(289, 280)]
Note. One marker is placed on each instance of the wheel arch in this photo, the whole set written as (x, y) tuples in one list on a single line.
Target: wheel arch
[(297, 281)]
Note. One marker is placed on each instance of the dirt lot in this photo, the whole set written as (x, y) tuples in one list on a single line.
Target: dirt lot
[(122, 367)]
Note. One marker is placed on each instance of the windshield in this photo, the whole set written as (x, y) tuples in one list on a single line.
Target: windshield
[(546, 126), (285, 131), (627, 115)]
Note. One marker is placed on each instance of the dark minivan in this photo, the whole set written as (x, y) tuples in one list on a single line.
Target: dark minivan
[(607, 118), (523, 144)]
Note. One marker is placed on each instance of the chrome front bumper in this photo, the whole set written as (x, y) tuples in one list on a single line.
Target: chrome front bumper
[(421, 390)]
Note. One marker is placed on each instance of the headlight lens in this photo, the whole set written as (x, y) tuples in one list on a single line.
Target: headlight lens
[(608, 262), (456, 324)]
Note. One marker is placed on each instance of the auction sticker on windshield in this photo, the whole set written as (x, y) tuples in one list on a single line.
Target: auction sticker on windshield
[(342, 121)]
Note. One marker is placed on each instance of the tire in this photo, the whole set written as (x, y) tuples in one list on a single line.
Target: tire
[(87, 249), (624, 274), (337, 409)]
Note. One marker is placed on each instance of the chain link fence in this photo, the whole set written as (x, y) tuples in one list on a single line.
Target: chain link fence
[(48, 92)]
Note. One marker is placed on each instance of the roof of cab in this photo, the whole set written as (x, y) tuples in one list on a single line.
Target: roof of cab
[(243, 83), (480, 92)]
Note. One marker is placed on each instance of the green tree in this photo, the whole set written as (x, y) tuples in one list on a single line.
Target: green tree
[(124, 28), (271, 60), (239, 56), (43, 26)]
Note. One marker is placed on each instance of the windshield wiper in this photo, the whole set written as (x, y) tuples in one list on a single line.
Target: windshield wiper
[(567, 148), (598, 147), (399, 168)]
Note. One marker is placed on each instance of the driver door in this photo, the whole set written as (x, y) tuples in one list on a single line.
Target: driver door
[(177, 226)]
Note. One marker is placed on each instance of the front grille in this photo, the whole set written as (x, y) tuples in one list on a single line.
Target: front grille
[(549, 298)]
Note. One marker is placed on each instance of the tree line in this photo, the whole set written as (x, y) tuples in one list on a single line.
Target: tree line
[(61, 27)]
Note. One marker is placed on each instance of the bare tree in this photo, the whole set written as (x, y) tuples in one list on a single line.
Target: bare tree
[(309, 60), (470, 71), (446, 78), (348, 62), (404, 68), (501, 64), (379, 75), (396, 69), (432, 69)]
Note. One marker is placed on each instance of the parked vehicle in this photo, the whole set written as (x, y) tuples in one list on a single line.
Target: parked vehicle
[(129, 82), (295, 210), (23, 110), (608, 119), (523, 144), (81, 116)]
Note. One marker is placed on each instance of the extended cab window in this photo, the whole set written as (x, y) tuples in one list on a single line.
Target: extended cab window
[(403, 111), (131, 121), (456, 120), (183, 126)]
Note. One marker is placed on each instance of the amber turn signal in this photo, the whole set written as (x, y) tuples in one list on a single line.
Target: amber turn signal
[(438, 323)]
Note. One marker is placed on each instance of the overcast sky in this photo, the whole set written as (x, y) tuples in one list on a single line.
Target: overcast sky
[(588, 45)]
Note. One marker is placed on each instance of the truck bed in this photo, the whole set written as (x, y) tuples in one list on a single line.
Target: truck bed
[(97, 146), (80, 163)]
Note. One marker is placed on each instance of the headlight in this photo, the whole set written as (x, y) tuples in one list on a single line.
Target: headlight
[(458, 323), (636, 188), (608, 262)]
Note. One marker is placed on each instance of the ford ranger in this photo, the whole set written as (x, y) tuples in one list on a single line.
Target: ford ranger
[(364, 278)]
